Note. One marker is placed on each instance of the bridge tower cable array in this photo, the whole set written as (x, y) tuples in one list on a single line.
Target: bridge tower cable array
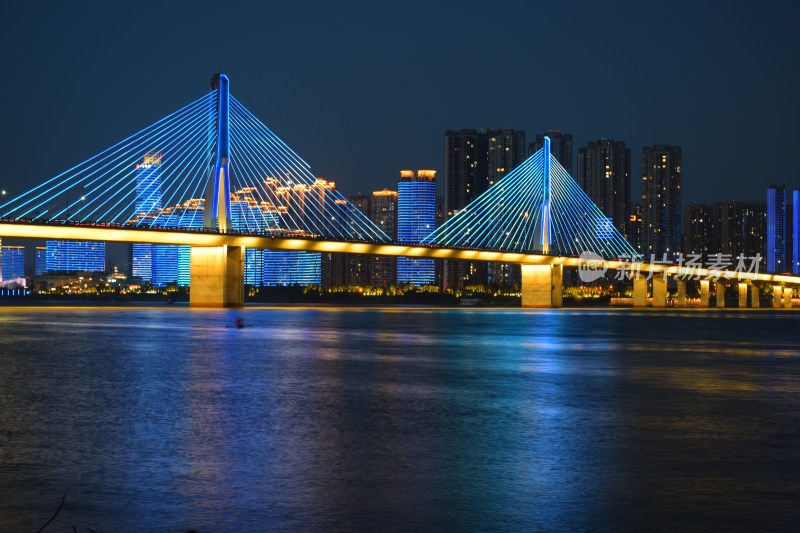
[(213, 157), (536, 208)]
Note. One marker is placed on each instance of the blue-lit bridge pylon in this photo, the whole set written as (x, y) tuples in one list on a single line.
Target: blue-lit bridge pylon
[(538, 208), (210, 165)]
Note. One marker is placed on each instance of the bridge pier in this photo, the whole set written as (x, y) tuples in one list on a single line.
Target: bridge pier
[(742, 294), (777, 296), (217, 276), (720, 293), (542, 285), (705, 291), (681, 297), (787, 297), (755, 296), (640, 291), (659, 291)]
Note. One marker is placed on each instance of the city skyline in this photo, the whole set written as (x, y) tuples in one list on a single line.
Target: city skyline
[(684, 88)]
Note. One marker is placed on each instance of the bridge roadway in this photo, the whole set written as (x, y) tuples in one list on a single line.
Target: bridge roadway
[(217, 257)]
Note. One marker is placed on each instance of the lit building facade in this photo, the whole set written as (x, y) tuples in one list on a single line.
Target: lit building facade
[(75, 256), (13, 262), (416, 219), (795, 232), (662, 176), (40, 260), (604, 173), (735, 228), (147, 203), (474, 161), (357, 267), (776, 229), (253, 267), (560, 147), (383, 212), (171, 263), (291, 268)]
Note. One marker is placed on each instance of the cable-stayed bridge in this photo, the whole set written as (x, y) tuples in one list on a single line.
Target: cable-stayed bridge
[(213, 176)]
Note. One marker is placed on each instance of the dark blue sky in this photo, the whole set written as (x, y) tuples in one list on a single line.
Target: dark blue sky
[(362, 90)]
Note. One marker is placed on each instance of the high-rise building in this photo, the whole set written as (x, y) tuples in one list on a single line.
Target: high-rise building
[(604, 173), (148, 184), (560, 147), (357, 267), (795, 232), (383, 212), (253, 267), (308, 205), (416, 219), (635, 224), (776, 229), (505, 149), (13, 265), (75, 256), (474, 161), (171, 263), (40, 260), (291, 268), (661, 200), (700, 230), (147, 204), (735, 228)]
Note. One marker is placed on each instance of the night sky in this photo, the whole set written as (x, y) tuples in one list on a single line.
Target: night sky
[(364, 90)]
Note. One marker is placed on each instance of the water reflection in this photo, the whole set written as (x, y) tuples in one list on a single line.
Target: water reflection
[(435, 420)]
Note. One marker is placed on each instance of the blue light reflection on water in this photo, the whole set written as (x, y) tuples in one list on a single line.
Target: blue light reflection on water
[(398, 419)]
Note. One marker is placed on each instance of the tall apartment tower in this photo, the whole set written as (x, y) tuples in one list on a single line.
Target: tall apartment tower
[(356, 266), (795, 232), (148, 201), (474, 161), (735, 228), (560, 147), (416, 219), (383, 212), (661, 200), (604, 173), (776, 229)]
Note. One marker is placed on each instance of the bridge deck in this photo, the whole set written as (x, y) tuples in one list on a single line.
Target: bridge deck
[(122, 234)]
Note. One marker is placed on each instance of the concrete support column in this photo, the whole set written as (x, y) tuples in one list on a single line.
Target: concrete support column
[(640, 291), (705, 291), (217, 276), (720, 293), (742, 294), (680, 301), (558, 285), (659, 291), (541, 285), (787, 297), (777, 296), (755, 296)]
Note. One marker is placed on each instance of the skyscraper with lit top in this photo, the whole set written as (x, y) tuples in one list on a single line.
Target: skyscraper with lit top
[(148, 202), (416, 219), (383, 212)]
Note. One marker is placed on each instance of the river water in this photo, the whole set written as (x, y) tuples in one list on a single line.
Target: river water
[(398, 419)]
